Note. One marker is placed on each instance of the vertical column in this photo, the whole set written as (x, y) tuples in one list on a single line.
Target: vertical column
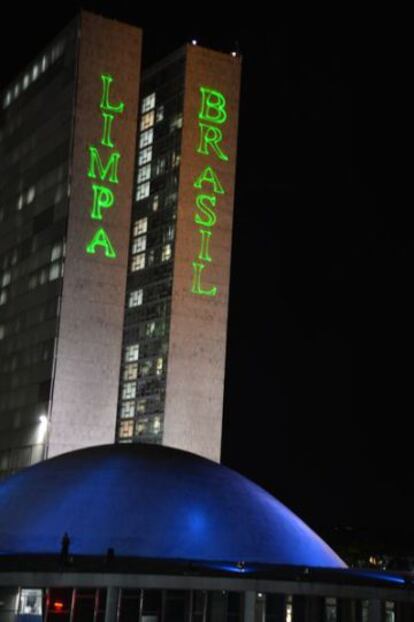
[(249, 606), (112, 601), (375, 611), (404, 612), (347, 610)]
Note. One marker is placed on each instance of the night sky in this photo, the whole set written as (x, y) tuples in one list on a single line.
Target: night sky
[(319, 381)]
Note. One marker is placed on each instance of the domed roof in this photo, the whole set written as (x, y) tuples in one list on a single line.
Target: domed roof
[(152, 502)]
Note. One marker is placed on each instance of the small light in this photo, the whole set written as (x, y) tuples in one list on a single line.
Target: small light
[(259, 595), (194, 42), (57, 606), (234, 54), (43, 419)]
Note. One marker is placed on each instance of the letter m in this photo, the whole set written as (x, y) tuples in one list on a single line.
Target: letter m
[(103, 171)]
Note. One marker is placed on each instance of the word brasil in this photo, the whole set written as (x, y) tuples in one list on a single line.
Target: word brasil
[(212, 115), (103, 197)]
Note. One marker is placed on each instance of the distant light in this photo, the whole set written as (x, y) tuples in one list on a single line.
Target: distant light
[(57, 606), (194, 42), (43, 419), (234, 54), (259, 595)]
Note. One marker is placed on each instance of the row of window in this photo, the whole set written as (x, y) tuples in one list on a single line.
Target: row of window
[(34, 73), (140, 427)]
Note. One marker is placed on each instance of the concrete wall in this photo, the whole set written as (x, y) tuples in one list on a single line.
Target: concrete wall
[(85, 391), (197, 349)]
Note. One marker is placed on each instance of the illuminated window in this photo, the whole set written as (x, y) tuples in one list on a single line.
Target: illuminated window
[(146, 138), (156, 425), (147, 120), (54, 271), (141, 406), (139, 244), (176, 122), (159, 114), (145, 156), (166, 252), (289, 609), (169, 233), (155, 202), (138, 262), (131, 371), (160, 166), (144, 173), (150, 329), (26, 81), (148, 103), (389, 611), (31, 193), (330, 610), (135, 298), (140, 226), (56, 252), (30, 602), (3, 297), (132, 353), (129, 391), (126, 429), (145, 368), (35, 72), (127, 410), (175, 159), (143, 191), (44, 63), (159, 366), (141, 427), (6, 278)]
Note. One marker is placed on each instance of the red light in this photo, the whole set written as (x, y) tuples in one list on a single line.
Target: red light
[(58, 606)]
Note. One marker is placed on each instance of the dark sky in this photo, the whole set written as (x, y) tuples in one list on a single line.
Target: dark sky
[(318, 401)]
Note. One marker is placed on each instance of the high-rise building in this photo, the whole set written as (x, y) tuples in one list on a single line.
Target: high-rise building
[(67, 155), (172, 374), (89, 295)]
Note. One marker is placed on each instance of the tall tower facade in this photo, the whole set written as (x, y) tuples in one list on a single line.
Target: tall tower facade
[(173, 358), (67, 150)]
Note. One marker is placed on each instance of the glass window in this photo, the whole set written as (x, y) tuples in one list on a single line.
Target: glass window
[(139, 244), (132, 353), (160, 166), (166, 252), (3, 296), (147, 120), (143, 191), (135, 298), (126, 429), (145, 368), (144, 173), (131, 371), (141, 405), (159, 114), (127, 410), (31, 193), (140, 226), (56, 251), (156, 425), (150, 329), (169, 233), (145, 156), (155, 202), (146, 138), (138, 262), (148, 103), (30, 602), (176, 122), (54, 272), (129, 391), (6, 278), (142, 425), (159, 366)]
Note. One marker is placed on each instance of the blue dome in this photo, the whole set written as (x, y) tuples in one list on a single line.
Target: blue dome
[(153, 502)]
